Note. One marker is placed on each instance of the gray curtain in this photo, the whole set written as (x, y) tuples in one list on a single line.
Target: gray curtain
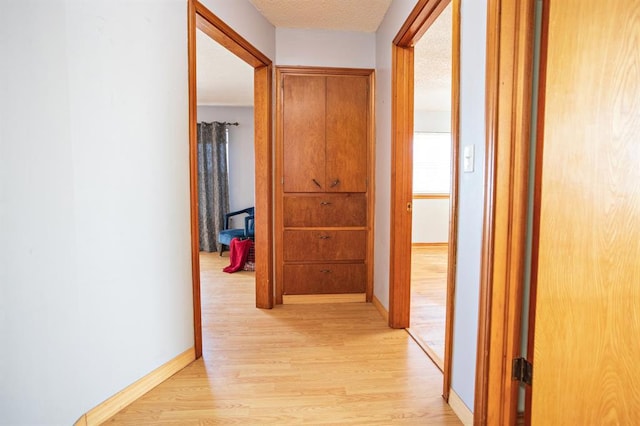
[(213, 182)]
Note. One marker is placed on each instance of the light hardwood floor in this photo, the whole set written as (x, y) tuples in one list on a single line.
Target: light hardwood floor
[(294, 364), (428, 299)]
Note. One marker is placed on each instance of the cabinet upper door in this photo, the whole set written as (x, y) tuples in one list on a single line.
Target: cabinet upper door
[(304, 133), (347, 133)]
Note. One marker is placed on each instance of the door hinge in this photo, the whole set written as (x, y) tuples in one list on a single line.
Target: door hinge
[(522, 371)]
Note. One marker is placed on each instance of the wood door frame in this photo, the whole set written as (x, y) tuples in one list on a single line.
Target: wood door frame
[(510, 33), (418, 22), (537, 196), (199, 17)]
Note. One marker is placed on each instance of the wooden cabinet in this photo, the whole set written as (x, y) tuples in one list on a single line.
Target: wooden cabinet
[(324, 244), (325, 133), (324, 278), (325, 210), (324, 168)]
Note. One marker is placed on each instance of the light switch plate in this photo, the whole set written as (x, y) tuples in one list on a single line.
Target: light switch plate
[(468, 157)]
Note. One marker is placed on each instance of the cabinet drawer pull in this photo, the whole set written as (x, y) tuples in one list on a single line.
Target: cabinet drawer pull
[(325, 203), (325, 237), (325, 271), (335, 183), (317, 184)]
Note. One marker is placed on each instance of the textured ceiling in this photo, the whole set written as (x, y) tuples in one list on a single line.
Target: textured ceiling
[(224, 79), (343, 15)]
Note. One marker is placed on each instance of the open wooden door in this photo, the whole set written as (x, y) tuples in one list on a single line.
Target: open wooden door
[(587, 230)]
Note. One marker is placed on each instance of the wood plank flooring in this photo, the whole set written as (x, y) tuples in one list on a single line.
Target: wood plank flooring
[(294, 364), (428, 299)]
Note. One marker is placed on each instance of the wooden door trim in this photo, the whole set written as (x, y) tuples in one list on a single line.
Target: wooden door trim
[(537, 197), (510, 30), (193, 180), (279, 204), (328, 71), (218, 30), (423, 15), (401, 186), (201, 17), (453, 200), (419, 20)]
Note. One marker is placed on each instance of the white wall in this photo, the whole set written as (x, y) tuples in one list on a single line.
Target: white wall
[(95, 270), (471, 194), (430, 221), (393, 20), (325, 48), (241, 153), (432, 121), (431, 216), (471, 184)]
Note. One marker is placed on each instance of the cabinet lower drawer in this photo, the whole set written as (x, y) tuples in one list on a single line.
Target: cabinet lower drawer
[(324, 245), (325, 210), (324, 278)]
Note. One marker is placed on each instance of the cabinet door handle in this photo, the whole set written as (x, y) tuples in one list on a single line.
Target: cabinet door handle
[(316, 182), (325, 271), (325, 237), (325, 203), (335, 183)]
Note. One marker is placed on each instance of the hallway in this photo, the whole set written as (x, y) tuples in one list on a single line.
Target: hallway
[(294, 364)]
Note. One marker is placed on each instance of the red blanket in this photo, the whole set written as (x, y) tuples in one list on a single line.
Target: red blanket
[(238, 253)]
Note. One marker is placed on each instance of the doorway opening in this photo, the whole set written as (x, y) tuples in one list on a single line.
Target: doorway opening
[(202, 19), (432, 177), (417, 24), (508, 73), (225, 173)]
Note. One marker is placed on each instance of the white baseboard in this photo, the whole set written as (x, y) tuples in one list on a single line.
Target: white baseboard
[(460, 408), (107, 409)]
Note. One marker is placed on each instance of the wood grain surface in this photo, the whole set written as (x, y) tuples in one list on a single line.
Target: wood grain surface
[(587, 314), (325, 210), (428, 299), (304, 134), (347, 133), (294, 364)]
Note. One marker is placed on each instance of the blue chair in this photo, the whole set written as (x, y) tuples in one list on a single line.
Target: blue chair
[(227, 234)]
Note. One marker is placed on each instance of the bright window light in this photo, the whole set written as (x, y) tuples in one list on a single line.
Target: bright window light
[(431, 163)]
